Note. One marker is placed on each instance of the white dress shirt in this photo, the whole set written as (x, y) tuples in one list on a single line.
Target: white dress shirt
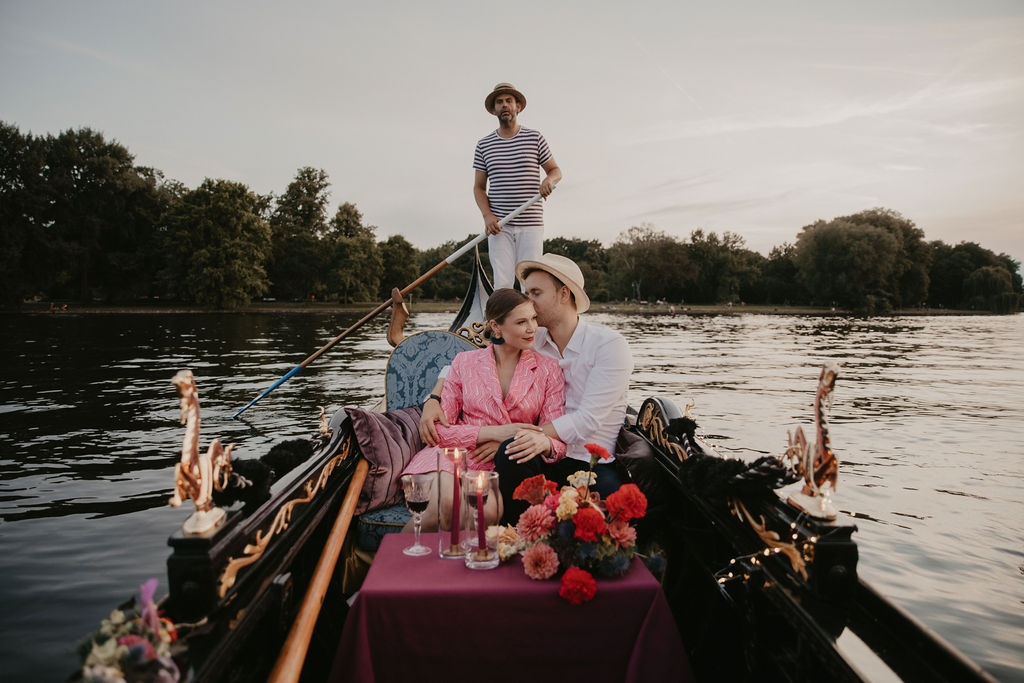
[(596, 365)]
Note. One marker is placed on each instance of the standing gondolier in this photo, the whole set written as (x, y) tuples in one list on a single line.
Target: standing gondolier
[(507, 166)]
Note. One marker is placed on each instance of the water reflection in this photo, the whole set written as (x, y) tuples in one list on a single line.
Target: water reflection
[(927, 423)]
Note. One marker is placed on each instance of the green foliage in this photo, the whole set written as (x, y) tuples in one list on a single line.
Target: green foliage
[(722, 266), (218, 245), (79, 220), (780, 282), (298, 226), (399, 266), (908, 282), (969, 276), (648, 264), (354, 269), (847, 264), (23, 252)]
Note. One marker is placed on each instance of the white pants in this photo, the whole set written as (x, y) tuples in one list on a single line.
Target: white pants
[(509, 247)]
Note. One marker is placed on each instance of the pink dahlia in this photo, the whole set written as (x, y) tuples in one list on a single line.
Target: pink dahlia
[(535, 523), (540, 561), (622, 533)]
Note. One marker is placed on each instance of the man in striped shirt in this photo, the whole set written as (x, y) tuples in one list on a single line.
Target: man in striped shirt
[(507, 166)]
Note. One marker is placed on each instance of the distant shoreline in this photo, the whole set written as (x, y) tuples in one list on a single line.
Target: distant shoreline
[(453, 307)]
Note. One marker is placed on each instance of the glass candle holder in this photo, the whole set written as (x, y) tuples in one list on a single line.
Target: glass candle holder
[(480, 498), (453, 520)]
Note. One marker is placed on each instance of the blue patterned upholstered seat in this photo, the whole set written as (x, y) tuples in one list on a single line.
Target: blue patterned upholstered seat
[(415, 363)]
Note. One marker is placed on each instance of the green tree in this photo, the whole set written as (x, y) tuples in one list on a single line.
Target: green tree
[(954, 284), (23, 249), (720, 267), (99, 215), (848, 264), (779, 280), (355, 266), (398, 264), (298, 227), (908, 284), (645, 263), (348, 222), (218, 245), (991, 288)]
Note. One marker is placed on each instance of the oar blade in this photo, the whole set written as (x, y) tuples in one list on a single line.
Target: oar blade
[(275, 385)]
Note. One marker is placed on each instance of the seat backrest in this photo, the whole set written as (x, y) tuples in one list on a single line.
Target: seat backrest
[(415, 363)]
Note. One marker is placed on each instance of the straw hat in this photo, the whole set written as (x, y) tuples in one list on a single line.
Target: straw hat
[(565, 270), (501, 89)]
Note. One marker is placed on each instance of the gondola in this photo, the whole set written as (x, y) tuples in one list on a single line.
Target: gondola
[(761, 585)]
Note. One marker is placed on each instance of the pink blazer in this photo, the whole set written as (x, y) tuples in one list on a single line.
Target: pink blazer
[(471, 398)]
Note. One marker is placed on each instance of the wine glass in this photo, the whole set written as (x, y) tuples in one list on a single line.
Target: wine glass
[(417, 489)]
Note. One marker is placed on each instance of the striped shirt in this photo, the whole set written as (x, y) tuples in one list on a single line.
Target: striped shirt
[(513, 169)]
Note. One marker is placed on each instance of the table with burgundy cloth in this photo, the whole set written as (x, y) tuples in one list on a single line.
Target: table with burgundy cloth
[(426, 619)]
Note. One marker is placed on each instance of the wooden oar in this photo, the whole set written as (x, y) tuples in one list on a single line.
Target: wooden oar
[(372, 314)]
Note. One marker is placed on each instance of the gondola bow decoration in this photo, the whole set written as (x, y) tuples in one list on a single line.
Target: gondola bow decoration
[(196, 476), (816, 463)]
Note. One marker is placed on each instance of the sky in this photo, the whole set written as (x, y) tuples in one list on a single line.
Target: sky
[(752, 117)]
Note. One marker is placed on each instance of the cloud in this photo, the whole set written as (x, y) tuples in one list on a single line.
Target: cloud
[(937, 97), (117, 61)]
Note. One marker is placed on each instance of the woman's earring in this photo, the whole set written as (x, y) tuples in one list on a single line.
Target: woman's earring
[(497, 340)]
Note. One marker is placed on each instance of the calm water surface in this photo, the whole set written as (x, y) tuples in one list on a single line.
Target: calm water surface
[(928, 422)]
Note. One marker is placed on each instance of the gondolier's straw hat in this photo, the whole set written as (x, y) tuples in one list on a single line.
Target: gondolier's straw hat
[(501, 89), (562, 268)]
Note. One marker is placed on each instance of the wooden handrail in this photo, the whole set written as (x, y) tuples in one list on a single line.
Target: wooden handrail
[(293, 654)]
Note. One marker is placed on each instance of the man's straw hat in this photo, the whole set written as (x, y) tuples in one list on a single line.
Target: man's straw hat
[(565, 270), (501, 89)]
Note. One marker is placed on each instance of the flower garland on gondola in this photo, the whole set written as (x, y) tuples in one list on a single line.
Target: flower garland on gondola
[(131, 645), (574, 530)]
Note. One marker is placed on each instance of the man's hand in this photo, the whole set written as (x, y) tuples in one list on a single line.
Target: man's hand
[(491, 224), (431, 413), (484, 452), (546, 187), (527, 445)]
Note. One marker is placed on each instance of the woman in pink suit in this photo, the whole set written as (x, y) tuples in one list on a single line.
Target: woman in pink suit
[(491, 393)]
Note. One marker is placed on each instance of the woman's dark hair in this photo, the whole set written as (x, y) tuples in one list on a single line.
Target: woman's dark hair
[(500, 304)]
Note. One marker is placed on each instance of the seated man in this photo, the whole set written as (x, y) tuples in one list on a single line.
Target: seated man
[(596, 363)]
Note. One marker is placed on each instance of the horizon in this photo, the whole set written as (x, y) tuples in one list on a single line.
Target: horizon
[(756, 122)]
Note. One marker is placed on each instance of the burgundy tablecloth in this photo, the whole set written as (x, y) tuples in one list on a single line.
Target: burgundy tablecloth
[(424, 619)]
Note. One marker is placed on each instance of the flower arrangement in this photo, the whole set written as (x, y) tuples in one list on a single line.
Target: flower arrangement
[(572, 529), (131, 645)]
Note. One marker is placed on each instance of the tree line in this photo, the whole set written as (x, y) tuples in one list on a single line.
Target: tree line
[(79, 221)]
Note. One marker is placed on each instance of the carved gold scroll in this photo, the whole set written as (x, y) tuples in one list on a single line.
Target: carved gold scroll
[(253, 551)]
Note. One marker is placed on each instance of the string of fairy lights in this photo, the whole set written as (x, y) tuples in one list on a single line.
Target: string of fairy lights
[(742, 566)]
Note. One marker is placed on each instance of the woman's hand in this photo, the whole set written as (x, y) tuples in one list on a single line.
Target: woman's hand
[(484, 452), (528, 444), (431, 413), (501, 433)]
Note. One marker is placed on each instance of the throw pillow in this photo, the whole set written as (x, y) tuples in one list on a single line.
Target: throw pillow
[(387, 441)]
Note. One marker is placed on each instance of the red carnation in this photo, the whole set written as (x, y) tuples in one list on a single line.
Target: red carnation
[(629, 502), (578, 586), (599, 451), (534, 489), (589, 524)]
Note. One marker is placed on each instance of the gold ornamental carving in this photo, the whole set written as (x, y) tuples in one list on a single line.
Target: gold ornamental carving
[(654, 427), (474, 334), (196, 476), (253, 551)]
